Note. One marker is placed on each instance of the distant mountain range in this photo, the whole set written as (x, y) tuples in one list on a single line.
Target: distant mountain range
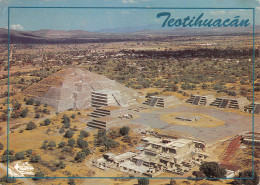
[(81, 36)]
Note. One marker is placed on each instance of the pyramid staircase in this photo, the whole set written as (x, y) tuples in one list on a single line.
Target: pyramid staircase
[(233, 104), (196, 100), (203, 100), (99, 112), (98, 100), (224, 103), (148, 101), (160, 103), (250, 108), (154, 102), (119, 100), (216, 102), (191, 99), (233, 145), (95, 123)]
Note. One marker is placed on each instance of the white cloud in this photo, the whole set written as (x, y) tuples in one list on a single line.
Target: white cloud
[(17, 27)]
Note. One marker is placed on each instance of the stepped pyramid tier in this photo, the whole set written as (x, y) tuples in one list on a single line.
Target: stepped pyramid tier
[(162, 101), (113, 112), (107, 97), (250, 137), (256, 107), (230, 102), (74, 88), (105, 122), (201, 99)]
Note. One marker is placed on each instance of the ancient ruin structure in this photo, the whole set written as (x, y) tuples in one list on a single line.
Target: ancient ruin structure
[(104, 117), (23, 168), (158, 155), (75, 88), (162, 101), (188, 117), (230, 102), (107, 97), (102, 123), (251, 107), (201, 99), (249, 137)]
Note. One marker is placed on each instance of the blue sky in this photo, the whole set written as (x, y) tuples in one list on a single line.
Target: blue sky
[(105, 19)]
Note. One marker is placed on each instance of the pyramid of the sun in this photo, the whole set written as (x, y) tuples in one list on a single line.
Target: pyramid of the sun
[(74, 88)]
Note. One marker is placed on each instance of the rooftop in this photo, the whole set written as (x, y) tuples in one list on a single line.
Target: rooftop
[(132, 166), (124, 156)]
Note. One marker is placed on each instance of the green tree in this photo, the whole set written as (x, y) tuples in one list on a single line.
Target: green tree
[(37, 115), (84, 133), (61, 144), (11, 158), (10, 152), (35, 159), (44, 146), (4, 179), (46, 111), (212, 170), (28, 152), (110, 143), (143, 181), (204, 86), (82, 143), (80, 156), (71, 142), (24, 113), (31, 125), (61, 130), (124, 130), (71, 182), (20, 155), (47, 122), (69, 134), (67, 149), (61, 165), (52, 144), (29, 102), (86, 151), (66, 119), (246, 178), (173, 182), (17, 106), (38, 175)]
